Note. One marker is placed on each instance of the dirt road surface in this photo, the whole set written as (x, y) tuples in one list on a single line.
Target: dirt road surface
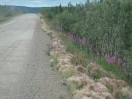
[(25, 71)]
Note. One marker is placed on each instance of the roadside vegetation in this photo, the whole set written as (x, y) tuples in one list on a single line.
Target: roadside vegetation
[(6, 13), (91, 47), (84, 81)]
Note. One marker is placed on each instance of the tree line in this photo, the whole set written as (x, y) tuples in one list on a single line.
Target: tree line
[(6, 11), (104, 27)]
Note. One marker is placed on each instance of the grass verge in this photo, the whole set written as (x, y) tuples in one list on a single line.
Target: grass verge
[(80, 82)]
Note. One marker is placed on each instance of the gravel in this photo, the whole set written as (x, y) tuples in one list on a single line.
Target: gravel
[(25, 71)]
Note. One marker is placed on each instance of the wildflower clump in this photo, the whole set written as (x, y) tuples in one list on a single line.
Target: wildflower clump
[(93, 91), (116, 86), (80, 79)]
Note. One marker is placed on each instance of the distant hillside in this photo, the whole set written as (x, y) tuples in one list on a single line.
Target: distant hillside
[(28, 9)]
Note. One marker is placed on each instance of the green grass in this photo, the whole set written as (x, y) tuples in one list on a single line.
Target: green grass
[(3, 19), (120, 96), (47, 52), (62, 97)]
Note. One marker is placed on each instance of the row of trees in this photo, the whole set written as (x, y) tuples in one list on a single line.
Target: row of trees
[(6, 11), (105, 25)]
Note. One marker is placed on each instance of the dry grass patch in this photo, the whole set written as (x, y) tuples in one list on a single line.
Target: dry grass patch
[(96, 71)]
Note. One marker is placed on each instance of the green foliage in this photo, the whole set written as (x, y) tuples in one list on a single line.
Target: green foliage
[(47, 52), (6, 12), (106, 26), (62, 97), (102, 24), (120, 96)]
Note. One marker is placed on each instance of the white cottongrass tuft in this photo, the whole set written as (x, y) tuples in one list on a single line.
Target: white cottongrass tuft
[(113, 82), (93, 91), (118, 86), (126, 91), (82, 69), (83, 79)]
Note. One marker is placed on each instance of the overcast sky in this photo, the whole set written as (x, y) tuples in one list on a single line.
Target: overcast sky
[(40, 3)]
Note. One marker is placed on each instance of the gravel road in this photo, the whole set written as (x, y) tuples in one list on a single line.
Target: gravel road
[(25, 71)]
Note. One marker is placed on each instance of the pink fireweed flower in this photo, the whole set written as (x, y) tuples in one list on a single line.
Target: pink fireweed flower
[(113, 59), (108, 60), (70, 36), (54, 48), (80, 40), (83, 41), (119, 61), (51, 45)]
